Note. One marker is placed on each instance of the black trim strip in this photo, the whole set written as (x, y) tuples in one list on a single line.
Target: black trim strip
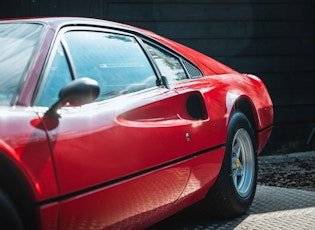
[(267, 127), (102, 185)]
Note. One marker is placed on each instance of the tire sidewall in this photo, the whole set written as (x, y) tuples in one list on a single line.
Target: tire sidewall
[(9, 218), (240, 204)]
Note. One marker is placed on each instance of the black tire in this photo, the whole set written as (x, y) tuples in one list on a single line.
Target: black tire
[(9, 218), (235, 187)]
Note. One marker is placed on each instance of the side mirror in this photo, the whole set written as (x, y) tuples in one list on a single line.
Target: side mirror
[(78, 92)]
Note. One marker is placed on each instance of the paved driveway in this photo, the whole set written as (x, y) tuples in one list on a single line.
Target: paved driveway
[(272, 208)]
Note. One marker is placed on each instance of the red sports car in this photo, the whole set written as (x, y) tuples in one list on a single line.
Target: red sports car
[(107, 126)]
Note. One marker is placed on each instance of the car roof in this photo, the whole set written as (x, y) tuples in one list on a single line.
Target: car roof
[(202, 61), (56, 23)]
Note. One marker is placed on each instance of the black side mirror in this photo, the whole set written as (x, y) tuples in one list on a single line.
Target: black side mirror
[(78, 92)]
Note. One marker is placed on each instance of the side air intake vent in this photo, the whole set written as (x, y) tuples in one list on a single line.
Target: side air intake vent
[(195, 107)]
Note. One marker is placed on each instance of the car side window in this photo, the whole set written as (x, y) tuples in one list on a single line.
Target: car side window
[(56, 76), (169, 65), (117, 62)]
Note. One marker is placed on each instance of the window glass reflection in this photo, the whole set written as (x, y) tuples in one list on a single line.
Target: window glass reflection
[(115, 61), (57, 75), (18, 43), (169, 66)]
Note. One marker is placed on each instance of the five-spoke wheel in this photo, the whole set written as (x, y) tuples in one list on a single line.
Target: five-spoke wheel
[(243, 162), (234, 189)]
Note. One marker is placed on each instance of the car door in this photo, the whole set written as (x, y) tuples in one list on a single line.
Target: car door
[(129, 152)]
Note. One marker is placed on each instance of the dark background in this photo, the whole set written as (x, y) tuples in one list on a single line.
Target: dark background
[(274, 39)]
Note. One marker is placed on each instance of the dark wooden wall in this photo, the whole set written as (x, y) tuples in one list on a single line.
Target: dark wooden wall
[(274, 39)]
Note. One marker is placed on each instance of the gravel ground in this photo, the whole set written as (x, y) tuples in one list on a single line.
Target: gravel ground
[(296, 170)]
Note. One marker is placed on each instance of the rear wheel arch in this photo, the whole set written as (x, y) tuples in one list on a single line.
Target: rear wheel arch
[(246, 107), (15, 193)]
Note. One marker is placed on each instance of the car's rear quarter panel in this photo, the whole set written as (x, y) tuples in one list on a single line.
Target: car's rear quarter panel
[(248, 85)]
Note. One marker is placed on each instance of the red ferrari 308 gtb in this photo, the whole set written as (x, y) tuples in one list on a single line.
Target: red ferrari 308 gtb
[(107, 126)]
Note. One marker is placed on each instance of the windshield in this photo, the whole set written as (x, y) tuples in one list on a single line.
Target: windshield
[(18, 42)]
